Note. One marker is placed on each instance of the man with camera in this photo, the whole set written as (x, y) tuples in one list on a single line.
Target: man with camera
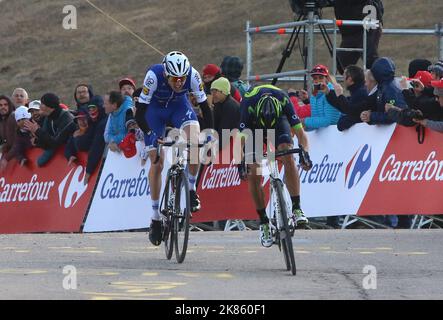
[(420, 97), (432, 124), (323, 114)]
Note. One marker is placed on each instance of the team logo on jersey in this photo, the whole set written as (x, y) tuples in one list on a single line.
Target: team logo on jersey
[(149, 82), (145, 90), (201, 86)]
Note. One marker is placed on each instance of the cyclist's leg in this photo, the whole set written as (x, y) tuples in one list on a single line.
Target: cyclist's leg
[(184, 117), (256, 190), (292, 177), (157, 125)]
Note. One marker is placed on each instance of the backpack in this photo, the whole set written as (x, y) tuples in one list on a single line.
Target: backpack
[(241, 87)]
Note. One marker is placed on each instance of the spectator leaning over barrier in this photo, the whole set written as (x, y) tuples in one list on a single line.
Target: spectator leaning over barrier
[(20, 97), (421, 103), (434, 125), (226, 109), (7, 123), (383, 72), (322, 113), (351, 107), (231, 68), (91, 139), (127, 87), (301, 110), (22, 141), (210, 73), (83, 94), (118, 107), (58, 126), (34, 110)]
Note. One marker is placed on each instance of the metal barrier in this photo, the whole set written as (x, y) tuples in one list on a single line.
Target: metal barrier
[(311, 30)]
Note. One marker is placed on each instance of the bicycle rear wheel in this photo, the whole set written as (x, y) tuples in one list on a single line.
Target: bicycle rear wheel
[(181, 218), (284, 231), (166, 210)]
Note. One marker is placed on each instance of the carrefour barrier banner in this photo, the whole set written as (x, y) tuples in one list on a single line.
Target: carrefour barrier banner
[(344, 164), (122, 200), (223, 195), (53, 198), (409, 177)]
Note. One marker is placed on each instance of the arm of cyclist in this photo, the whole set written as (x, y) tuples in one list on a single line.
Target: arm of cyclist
[(297, 130), (245, 123), (149, 87), (198, 90)]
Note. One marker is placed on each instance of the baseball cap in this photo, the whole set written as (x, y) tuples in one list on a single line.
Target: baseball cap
[(128, 145), (34, 105), (211, 69), (320, 70), (424, 76), (124, 81), (22, 113)]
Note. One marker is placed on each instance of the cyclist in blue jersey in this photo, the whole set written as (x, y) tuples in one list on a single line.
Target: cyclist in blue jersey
[(162, 102), (268, 107)]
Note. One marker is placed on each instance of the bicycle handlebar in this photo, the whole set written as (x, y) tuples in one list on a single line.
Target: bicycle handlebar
[(171, 143)]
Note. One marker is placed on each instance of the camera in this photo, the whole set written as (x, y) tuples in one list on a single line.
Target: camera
[(301, 7), (414, 84), (318, 86), (413, 114)]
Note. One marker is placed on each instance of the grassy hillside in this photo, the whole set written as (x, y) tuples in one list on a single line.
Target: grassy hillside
[(38, 54)]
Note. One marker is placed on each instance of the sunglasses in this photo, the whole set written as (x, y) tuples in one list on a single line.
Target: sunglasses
[(177, 79)]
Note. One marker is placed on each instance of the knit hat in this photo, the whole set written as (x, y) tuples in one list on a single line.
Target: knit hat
[(425, 77), (437, 68), (50, 100), (418, 65), (231, 67), (222, 84), (211, 70), (34, 105), (22, 113), (124, 81)]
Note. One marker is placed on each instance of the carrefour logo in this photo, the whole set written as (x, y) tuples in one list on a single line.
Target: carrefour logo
[(358, 166), (325, 171), (114, 188), (72, 188)]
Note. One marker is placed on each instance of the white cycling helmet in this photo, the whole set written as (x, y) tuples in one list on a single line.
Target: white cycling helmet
[(176, 64)]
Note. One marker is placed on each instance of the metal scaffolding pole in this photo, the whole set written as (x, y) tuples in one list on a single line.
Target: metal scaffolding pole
[(248, 53), (311, 23)]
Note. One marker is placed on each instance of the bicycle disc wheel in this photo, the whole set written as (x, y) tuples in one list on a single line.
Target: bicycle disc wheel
[(181, 217), (166, 209), (285, 235)]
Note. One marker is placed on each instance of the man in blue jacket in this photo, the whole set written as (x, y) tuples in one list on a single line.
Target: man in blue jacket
[(353, 106), (383, 72)]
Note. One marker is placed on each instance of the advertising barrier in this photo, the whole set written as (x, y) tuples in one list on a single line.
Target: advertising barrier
[(367, 170), (48, 199)]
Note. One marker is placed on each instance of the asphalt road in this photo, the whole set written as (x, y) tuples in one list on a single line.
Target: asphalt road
[(330, 265)]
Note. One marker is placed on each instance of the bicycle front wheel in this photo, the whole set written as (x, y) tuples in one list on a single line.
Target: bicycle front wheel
[(182, 213), (166, 210), (284, 231)]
